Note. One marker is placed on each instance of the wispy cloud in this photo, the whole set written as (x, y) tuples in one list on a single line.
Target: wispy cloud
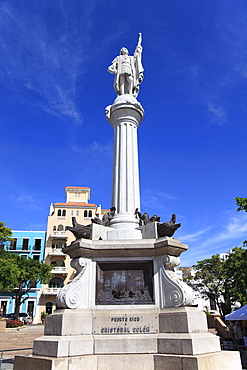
[(152, 199), (217, 238), (195, 236), (48, 58), (232, 27), (37, 227), (94, 149), (28, 201), (217, 113)]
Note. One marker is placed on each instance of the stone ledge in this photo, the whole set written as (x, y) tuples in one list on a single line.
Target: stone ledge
[(181, 344), (66, 346), (125, 248), (226, 360)]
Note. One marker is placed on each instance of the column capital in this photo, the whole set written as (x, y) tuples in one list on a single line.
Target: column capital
[(127, 108)]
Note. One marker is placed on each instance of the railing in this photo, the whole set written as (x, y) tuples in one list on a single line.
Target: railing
[(59, 270), (56, 251), (59, 234), (11, 350), (51, 291)]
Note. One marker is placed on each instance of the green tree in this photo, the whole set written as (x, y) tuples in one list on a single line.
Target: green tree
[(224, 282), (5, 233), (242, 206), (236, 272), (18, 275), (209, 279), (241, 203)]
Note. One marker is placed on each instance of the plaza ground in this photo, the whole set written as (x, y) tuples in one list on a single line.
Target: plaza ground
[(16, 341)]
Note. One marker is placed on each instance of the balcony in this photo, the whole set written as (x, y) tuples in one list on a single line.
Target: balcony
[(59, 270), (59, 235), (51, 291), (56, 252)]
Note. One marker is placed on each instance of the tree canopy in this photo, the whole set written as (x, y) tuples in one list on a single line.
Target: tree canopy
[(223, 281), (241, 203), (18, 275), (5, 233)]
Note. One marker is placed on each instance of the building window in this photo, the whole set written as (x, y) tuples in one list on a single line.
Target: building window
[(59, 212), (56, 282), (58, 262), (37, 244), (48, 307), (36, 258), (25, 244), (90, 214), (30, 308), (54, 228), (60, 228), (72, 213), (77, 213), (77, 195), (85, 213), (3, 307), (13, 243), (64, 213)]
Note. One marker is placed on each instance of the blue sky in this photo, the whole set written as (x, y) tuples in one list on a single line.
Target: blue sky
[(54, 88)]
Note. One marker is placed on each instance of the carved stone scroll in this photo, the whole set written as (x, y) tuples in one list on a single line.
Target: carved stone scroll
[(71, 295), (174, 292)]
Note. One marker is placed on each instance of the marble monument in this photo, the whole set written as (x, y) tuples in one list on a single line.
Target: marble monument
[(126, 308)]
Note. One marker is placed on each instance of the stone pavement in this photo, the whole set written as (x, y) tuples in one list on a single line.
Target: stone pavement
[(17, 340)]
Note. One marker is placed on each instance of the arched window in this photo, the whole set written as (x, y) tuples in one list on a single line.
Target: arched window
[(58, 262), (90, 214), (59, 212), (59, 245), (54, 228), (60, 228), (48, 307), (85, 213), (64, 213), (56, 282)]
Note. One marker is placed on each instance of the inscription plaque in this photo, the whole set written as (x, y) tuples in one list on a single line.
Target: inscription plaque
[(136, 323), (119, 283)]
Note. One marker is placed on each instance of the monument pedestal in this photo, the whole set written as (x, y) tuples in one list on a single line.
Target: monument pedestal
[(126, 309), (171, 338)]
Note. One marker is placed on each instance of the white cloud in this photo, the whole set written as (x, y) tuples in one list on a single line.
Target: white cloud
[(94, 149), (195, 236), (28, 201), (153, 199), (220, 238), (217, 113), (44, 59)]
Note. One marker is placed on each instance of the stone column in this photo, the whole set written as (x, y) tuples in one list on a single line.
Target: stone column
[(125, 115)]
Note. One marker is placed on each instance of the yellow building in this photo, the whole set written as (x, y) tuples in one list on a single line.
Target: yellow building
[(57, 237)]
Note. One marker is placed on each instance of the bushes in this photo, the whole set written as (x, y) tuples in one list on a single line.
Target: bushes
[(13, 323)]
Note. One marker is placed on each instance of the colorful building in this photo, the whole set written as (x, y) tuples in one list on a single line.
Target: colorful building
[(77, 205), (30, 244)]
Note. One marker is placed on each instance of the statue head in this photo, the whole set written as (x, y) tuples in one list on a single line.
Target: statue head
[(124, 51)]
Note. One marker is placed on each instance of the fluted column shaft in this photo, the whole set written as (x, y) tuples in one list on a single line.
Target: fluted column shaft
[(125, 118)]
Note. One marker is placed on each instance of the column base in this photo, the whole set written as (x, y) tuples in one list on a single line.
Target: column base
[(215, 361)]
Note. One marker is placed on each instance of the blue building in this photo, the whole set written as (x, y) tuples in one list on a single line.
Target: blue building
[(30, 244)]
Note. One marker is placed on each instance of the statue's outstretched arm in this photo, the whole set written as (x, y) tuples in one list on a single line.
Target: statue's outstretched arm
[(138, 49), (140, 39)]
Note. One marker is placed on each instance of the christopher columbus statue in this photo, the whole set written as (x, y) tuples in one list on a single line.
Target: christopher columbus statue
[(128, 70)]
